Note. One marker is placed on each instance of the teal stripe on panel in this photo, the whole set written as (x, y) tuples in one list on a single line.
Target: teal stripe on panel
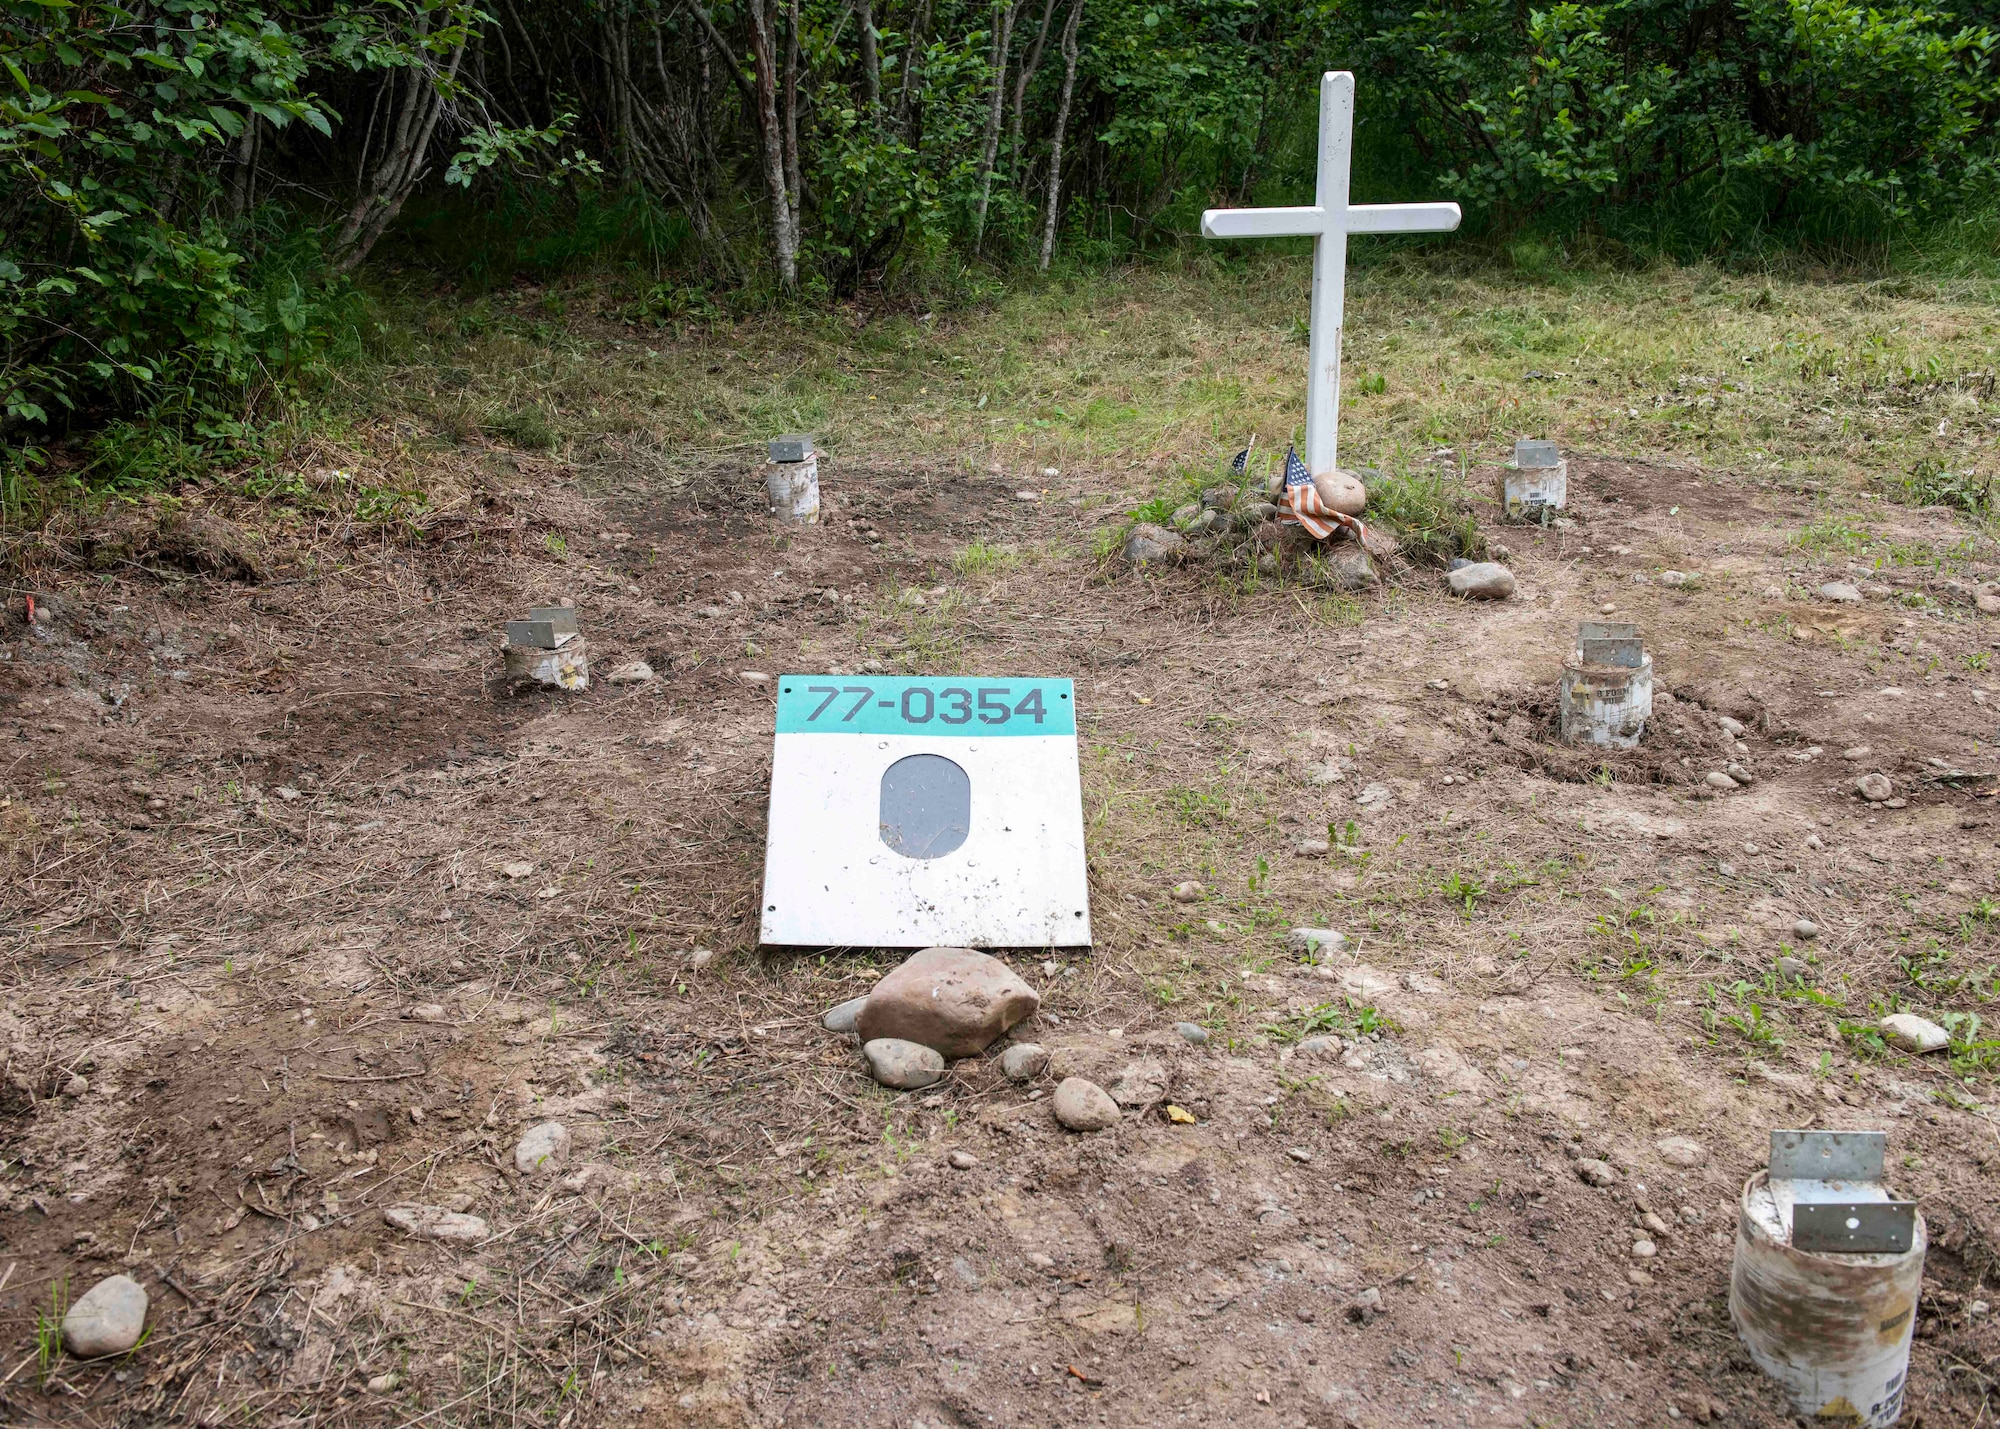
[(921, 704)]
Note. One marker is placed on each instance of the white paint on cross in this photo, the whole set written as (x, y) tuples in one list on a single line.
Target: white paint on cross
[(1329, 220)]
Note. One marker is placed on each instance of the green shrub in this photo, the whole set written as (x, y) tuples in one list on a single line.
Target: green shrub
[(1432, 520), (1823, 118), (1931, 483)]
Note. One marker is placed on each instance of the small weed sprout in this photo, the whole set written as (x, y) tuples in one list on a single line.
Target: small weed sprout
[(48, 1331), (1464, 891)]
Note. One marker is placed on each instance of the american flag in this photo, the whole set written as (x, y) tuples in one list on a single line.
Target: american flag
[(1302, 503)]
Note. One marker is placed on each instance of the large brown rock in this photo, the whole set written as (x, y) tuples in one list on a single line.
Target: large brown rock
[(952, 1000)]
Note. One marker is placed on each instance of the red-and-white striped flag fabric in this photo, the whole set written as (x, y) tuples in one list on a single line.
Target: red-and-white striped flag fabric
[(1302, 504)]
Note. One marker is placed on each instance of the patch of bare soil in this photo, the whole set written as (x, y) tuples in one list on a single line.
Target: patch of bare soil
[(309, 918)]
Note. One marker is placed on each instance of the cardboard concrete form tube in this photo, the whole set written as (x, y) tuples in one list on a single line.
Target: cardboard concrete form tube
[(793, 487), (1833, 1330), (1606, 704), (567, 667)]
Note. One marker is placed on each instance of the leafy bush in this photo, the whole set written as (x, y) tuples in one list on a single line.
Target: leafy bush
[(1934, 484), (1703, 122), (116, 274), (1432, 520)]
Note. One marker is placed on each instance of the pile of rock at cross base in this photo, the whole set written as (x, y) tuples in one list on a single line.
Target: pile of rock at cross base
[(947, 1003), (1242, 525)]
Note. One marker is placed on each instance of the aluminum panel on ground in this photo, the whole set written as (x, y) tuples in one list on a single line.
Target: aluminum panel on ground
[(910, 811)]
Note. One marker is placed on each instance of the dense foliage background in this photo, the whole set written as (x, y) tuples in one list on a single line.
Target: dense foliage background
[(188, 182)]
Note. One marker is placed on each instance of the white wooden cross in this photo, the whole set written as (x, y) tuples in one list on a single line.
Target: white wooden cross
[(1330, 219)]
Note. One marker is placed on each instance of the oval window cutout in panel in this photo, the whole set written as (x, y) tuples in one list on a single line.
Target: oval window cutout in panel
[(926, 806)]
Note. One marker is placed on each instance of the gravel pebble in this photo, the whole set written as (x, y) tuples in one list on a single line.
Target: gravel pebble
[(1485, 580), (904, 1065), (542, 1147), (841, 1018), (1913, 1033), (436, 1223), (1024, 1061), (1596, 1172), (1315, 942), (1084, 1106), (1681, 1151)]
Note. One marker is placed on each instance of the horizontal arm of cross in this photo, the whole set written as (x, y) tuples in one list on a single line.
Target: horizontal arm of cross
[(1402, 218), (1263, 222)]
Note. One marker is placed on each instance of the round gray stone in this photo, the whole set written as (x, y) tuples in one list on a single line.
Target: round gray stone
[(1084, 1106), (1487, 580), (1192, 1032), (107, 1320), (542, 1147), (1148, 543), (1024, 1061), (903, 1065), (842, 1018)]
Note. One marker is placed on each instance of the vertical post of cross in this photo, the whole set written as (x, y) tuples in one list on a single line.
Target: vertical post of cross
[(1329, 295)]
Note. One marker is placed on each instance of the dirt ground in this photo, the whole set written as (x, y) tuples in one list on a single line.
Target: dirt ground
[(308, 917)]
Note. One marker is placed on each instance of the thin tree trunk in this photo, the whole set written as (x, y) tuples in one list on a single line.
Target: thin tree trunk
[(243, 171), (1056, 141), (1021, 77), (1003, 38), (618, 47), (793, 186), (422, 104), (904, 92), (871, 58), (728, 55), (763, 58)]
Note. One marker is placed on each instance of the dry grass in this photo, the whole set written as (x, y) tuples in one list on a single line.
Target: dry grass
[(1825, 381)]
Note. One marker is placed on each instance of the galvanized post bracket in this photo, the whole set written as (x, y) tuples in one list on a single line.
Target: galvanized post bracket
[(1854, 1227), (1530, 453), (1831, 1182)]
